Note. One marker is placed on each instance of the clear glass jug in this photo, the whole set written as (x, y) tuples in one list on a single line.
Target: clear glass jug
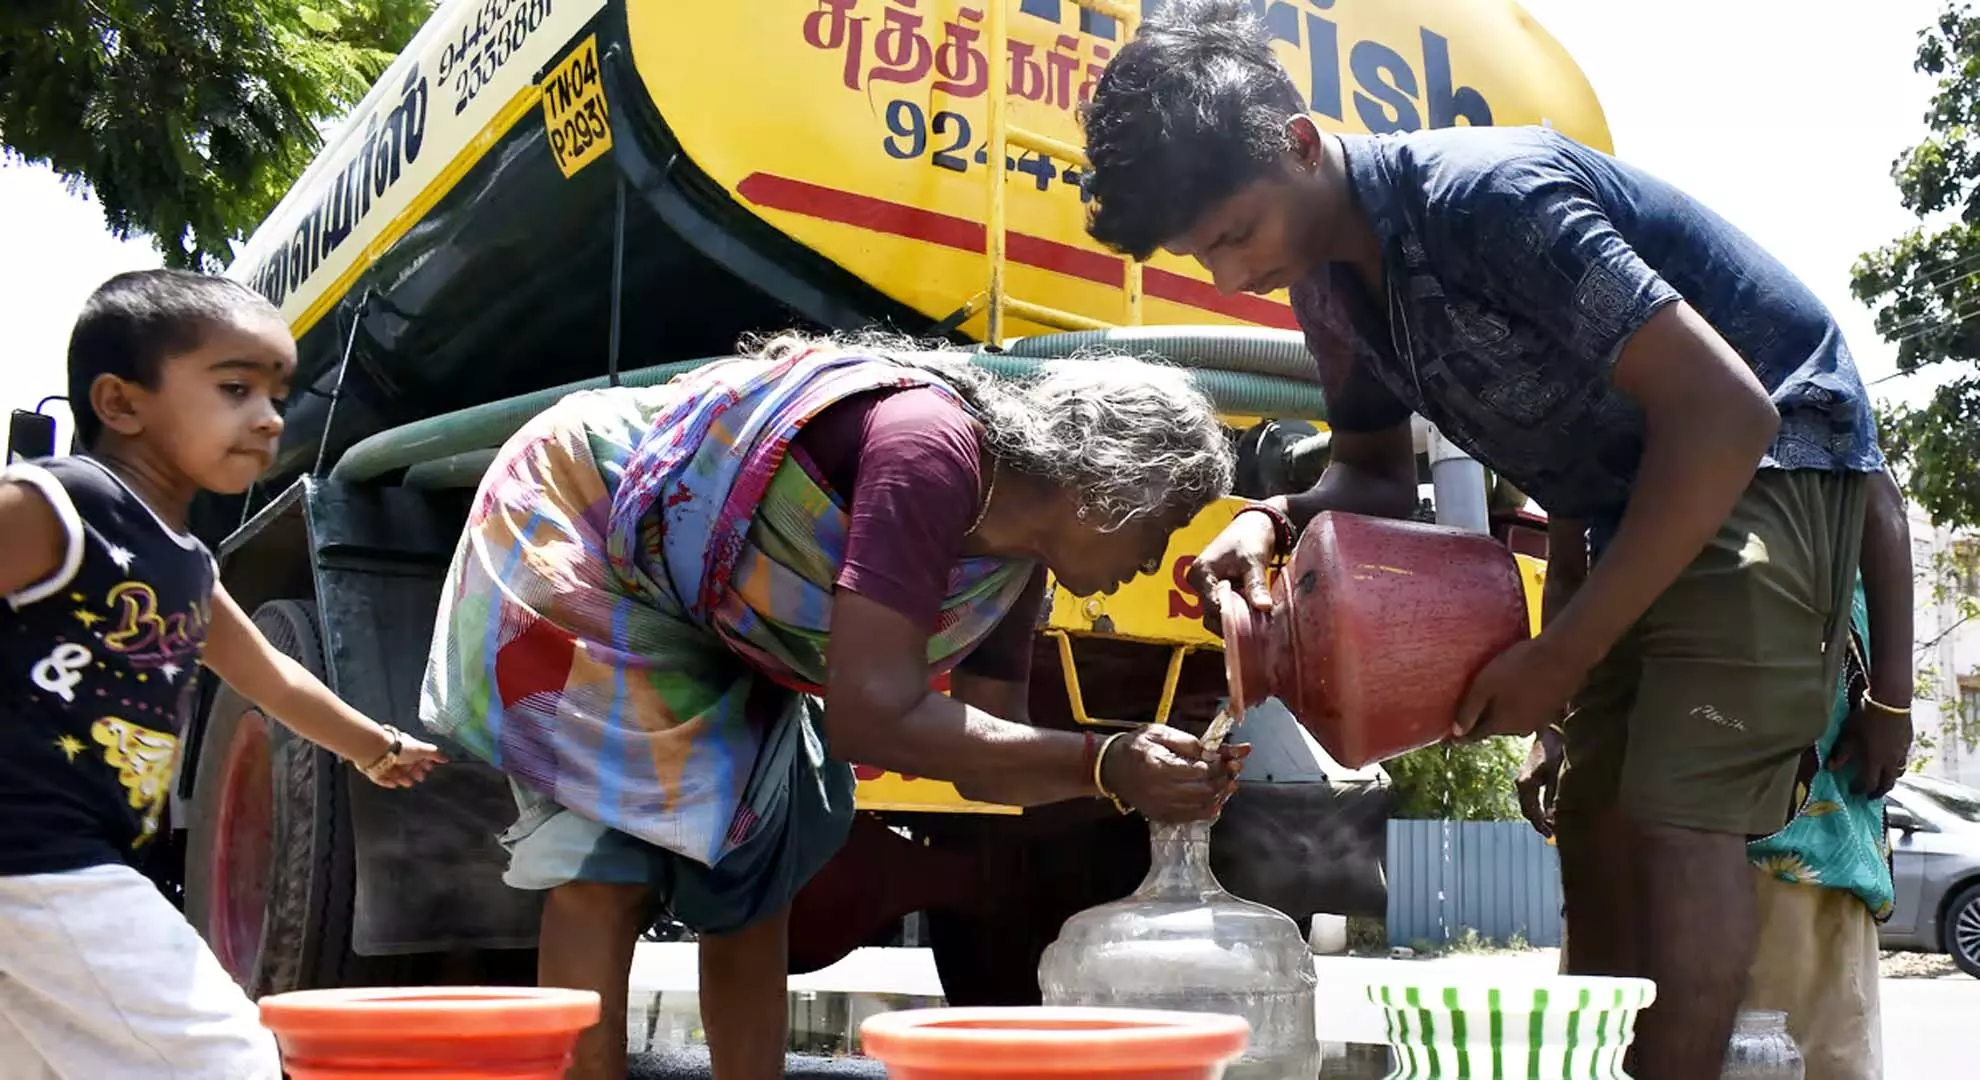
[(1762, 1049), (1181, 942)]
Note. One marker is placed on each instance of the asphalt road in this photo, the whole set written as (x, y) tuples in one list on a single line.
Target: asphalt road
[(693, 1065), (1931, 1028)]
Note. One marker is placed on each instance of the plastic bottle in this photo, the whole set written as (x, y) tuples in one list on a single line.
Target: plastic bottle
[(1762, 1049), (1180, 942)]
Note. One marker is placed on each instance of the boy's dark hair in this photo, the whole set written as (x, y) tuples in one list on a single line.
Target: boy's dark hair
[(1191, 110), (132, 322)]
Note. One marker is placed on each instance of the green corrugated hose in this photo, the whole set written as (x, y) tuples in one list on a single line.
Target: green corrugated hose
[(1236, 393), (446, 445), (478, 427), (457, 471), (1255, 349)]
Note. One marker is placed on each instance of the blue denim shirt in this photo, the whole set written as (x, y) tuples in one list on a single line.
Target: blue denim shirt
[(1518, 263)]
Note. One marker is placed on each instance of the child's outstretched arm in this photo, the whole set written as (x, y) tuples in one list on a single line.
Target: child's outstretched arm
[(284, 689)]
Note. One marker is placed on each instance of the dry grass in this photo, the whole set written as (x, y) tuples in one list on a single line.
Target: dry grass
[(1911, 965)]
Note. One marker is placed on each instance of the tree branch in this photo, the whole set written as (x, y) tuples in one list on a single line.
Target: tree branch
[(1927, 646)]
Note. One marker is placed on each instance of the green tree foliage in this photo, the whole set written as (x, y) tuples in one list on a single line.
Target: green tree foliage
[(187, 119), (1925, 286), (1459, 783)]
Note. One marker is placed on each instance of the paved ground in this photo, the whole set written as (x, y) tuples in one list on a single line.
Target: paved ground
[(1931, 1025), (1931, 1028), (693, 1065)]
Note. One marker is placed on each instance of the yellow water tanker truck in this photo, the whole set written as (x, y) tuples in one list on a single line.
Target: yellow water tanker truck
[(540, 195)]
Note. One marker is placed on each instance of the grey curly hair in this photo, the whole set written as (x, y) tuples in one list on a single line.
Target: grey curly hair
[(1129, 438)]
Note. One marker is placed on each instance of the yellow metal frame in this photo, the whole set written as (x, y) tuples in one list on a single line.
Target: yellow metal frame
[(994, 302), (1077, 700)]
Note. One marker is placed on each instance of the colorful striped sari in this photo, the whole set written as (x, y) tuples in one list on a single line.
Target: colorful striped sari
[(640, 601)]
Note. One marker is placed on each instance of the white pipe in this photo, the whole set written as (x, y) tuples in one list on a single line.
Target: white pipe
[(1458, 481)]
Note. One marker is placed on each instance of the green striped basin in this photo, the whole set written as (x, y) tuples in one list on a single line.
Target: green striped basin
[(1457, 1027)]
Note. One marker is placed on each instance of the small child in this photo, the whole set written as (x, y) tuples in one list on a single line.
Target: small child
[(177, 382)]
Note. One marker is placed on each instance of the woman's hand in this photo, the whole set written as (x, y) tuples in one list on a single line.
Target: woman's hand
[(1879, 741), (1242, 555), (1168, 776)]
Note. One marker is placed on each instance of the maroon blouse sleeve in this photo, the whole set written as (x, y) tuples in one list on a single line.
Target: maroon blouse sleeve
[(911, 459), (916, 485)]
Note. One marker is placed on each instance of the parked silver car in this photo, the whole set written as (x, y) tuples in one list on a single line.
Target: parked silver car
[(1935, 854)]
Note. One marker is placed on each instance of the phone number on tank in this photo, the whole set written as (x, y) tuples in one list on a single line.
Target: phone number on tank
[(945, 139), (496, 33)]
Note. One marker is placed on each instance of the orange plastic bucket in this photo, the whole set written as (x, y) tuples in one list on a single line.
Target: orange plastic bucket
[(429, 1033), (1067, 1044)]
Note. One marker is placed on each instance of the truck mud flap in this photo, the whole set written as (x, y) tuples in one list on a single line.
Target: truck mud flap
[(429, 867)]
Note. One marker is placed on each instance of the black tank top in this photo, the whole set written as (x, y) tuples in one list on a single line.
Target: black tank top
[(98, 674)]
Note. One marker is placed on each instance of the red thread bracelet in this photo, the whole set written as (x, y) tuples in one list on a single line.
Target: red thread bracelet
[(1284, 536)]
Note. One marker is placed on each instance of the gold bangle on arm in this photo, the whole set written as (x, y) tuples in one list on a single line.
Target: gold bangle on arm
[(1099, 762), (1888, 710)]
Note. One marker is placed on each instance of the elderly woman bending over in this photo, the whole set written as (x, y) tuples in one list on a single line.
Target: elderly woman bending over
[(677, 612)]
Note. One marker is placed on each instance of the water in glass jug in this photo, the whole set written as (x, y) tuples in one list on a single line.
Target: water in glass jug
[(1180, 942)]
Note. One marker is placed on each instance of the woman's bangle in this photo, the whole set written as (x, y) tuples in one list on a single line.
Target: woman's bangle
[(1099, 762), (1284, 536), (1888, 710)]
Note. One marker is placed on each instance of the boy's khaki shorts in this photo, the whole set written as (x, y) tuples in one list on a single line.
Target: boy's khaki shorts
[(1698, 718)]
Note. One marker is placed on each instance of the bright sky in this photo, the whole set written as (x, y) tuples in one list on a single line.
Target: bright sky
[(1783, 120), (58, 252)]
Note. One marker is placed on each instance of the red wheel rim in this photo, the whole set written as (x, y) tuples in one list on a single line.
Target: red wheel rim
[(243, 848)]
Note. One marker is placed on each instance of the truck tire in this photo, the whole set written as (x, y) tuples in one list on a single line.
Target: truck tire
[(269, 858)]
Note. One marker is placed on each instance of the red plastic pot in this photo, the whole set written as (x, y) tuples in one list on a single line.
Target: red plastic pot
[(429, 1033), (1063, 1043), (1377, 629)]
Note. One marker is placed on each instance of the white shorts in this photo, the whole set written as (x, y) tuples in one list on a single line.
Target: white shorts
[(101, 977)]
